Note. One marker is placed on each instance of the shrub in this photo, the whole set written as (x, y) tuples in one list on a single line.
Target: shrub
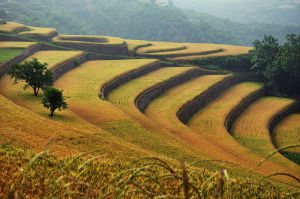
[(53, 99)]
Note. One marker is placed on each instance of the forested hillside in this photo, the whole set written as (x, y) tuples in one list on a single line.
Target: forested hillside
[(135, 19)]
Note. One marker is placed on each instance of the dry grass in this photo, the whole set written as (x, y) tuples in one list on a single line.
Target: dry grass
[(251, 128), (10, 27), (105, 40), (160, 46), (135, 44), (211, 118), (163, 110), (287, 132), (125, 95), (65, 135), (82, 86), (228, 50), (38, 31), (54, 58), (16, 44)]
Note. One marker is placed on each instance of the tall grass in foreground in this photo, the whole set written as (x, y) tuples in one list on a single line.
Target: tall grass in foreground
[(25, 175)]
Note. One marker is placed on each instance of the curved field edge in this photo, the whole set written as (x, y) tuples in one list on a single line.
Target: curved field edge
[(287, 132), (87, 39), (261, 116)]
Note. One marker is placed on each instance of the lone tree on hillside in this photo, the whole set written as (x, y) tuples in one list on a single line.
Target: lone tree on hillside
[(53, 99), (33, 73)]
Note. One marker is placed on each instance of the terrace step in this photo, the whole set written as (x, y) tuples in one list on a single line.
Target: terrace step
[(252, 128)]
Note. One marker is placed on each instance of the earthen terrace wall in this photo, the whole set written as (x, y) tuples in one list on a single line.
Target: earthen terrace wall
[(143, 100), (199, 102), (116, 82)]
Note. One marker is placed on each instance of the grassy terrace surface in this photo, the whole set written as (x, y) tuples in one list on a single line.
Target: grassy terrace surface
[(54, 58), (82, 86), (164, 108), (24, 128), (16, 44), (287, 132), (161, 46), (251, 128), (228, 50), (178, 49), (211, 118), (7, 54), (10, 27), (125, 95), (135, 44), (100, 40), (38, 31)]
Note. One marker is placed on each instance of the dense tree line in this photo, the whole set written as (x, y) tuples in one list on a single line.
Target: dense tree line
[(135, 19), (278, 65)]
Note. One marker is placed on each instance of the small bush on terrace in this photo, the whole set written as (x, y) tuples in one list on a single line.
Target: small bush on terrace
[(35, 74)]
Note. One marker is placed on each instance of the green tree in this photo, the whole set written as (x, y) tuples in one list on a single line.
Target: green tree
[(33, 73), (53, 99), (283, 73), (263, 53)]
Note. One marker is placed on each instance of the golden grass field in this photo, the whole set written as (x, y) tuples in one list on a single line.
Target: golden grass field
[(108, 40), (54, 58), (24, 128), (178, 49), (82, 86), (211, 118), (287, 132), (132, 45), (161, 46), (163, 110), (227, 51), (251, 127), (16, 44), (10, 27), (38, 31)]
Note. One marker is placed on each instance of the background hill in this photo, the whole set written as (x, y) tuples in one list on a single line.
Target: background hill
[(136, 19)]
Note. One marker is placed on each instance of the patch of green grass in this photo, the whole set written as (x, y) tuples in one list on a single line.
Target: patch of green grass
[(9, 53)]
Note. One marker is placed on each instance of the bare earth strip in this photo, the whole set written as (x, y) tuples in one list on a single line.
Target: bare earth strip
[(287, 132)]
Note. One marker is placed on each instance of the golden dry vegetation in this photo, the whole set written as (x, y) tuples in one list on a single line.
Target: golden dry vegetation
[(11, 27), (55, 57), (16, 44), (251, 127), (133, 45), (287, 132), (165, 49), (82, 86), (228, 50), (103, 40), (38, 31)]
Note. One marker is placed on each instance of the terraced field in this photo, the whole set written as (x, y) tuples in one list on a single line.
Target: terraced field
[(101, 97), (287, 132), (18, 44), (228, 50), (11, 27), (82, 86), (251, 128), (54, 57), (124, 96), (163, 110), (100, 40), (38, 31)]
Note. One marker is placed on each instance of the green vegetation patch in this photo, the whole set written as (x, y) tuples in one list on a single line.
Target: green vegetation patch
[(7, 54)]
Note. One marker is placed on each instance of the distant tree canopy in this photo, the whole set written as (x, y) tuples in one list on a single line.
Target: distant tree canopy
[(279, 65), (33, 73)]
